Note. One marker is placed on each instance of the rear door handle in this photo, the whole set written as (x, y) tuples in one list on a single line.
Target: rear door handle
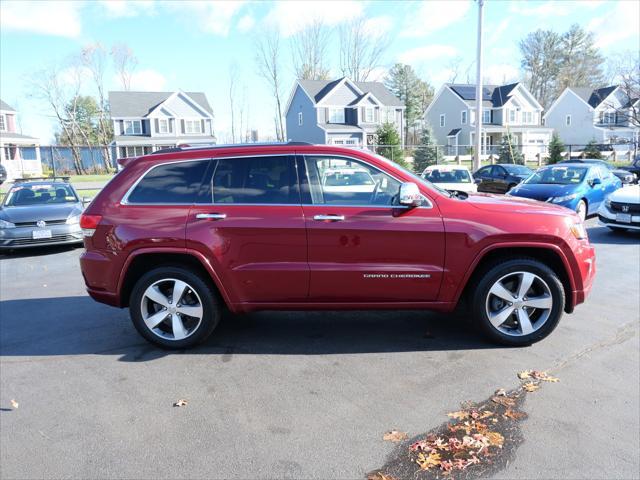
[(330, 218), (211, 216)]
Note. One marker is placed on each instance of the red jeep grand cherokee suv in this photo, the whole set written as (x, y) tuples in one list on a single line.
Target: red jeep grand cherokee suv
[(180, 233)]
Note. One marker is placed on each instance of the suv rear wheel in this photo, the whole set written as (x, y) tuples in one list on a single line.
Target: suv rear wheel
[(518, 302), (173, 307)]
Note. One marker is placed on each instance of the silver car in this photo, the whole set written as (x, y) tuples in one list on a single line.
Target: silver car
[(42, 212)]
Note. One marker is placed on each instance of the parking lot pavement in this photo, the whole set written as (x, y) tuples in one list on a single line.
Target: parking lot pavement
[(301, 395)]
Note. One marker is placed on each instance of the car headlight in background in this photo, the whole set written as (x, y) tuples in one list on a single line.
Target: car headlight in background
[(5, 224), (73, 220), (607, 202), (564, 198)]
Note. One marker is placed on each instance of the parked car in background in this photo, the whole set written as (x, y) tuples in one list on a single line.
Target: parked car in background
[(634, 168), (625, 176), (621, 210), (175, 236), (40, 212), (3, 174), (500, 178), (451, 177), (582, 187)]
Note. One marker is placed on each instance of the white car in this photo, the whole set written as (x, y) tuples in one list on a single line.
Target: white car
[(621, 209), (451, 177), (348, 180)]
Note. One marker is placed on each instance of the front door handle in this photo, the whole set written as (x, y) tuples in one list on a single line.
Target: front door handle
[(330, 218), (211, 216)]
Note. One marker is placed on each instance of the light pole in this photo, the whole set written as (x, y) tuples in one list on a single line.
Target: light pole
[(478, 143)]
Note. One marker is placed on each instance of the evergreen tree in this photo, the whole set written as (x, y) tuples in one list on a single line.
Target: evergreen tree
[(389, 143), (508, 152), (591, 150), (427, 153), (556, 148)]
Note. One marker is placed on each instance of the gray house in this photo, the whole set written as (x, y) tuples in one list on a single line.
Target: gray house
[(144, 122), (507, 109), (341, 112), (580, 115)]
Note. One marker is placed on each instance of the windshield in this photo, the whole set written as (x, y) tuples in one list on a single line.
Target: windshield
[(518, 169), (340, 179), (450, 176), (558, 175), (40, 194)]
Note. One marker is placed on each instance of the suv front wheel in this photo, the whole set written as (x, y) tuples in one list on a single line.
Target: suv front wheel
[(174, 308), (518, 301)]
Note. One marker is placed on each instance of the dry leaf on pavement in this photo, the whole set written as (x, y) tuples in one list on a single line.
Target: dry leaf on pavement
[(459, 415), (530, 386), (395, 436), (524, 375), (379, 476), (181, 403), (14, 404), (514, 414), (496, 439), (504, 401), (425, 462), (501, 392)]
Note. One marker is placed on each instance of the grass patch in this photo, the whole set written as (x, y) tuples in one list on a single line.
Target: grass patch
[(105, 177)]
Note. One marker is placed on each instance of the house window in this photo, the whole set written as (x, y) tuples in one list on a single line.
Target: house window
[(486, 116), (3, 123), (350, 141), (132, 127), (336, 115), (608, 117), (512, 116), (442, 119), (338, 142), (463, 117), (192, 126), (369, 115), (163, 126), (527, 118), (567, 120), (299, 119)]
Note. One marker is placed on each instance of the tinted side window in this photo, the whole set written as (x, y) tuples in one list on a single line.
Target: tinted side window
[(170, 183), (261, 180), (484, 172)]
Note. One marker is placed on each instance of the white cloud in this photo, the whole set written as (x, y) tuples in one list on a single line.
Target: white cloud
[(547, 9), (496, 33), (433, 16), (500, 73), (147, 80), (246, 23), (46, 18), (378, 26), (617, 26), (211, 17), (292, 17), (428, 52), (128, 8)]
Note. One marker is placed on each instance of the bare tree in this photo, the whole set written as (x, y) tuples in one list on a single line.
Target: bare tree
[(94, 59), (125, 63), (541, 62), (361, 50), (625, 72), (268, 58), (309, 49), (454, 65), (233, 80)]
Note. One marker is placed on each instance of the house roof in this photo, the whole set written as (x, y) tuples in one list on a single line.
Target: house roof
[(454, 132), (6, 106), (492, 95), (593, 97), (318, 89), (140, 104)]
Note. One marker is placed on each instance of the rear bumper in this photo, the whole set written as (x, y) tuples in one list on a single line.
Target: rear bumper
[(97, 271)]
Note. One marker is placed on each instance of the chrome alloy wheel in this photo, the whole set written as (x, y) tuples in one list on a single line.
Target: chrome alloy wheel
[(171, 309), (519, 303)]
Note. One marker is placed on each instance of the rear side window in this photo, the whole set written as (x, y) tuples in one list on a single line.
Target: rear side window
[(257, 180), (170, 184)]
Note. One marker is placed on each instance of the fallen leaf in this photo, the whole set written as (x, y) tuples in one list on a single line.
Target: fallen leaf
[(395, 436), (460, 415), (504, 401), (379, 476), (514, 415), (181, 403), (496, 439), (530, 386), (14, 404), (550, 379), (525, 374), (501, 392), (425, 462)]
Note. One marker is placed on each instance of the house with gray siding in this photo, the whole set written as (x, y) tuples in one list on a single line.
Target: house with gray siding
[(341, 112), (506, 109), (580, 115), (144, 122)]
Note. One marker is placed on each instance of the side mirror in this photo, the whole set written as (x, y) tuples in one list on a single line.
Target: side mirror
[(595, 181), (410, 195)]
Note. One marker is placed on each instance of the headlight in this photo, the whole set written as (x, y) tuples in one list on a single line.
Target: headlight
[(565, 198), (73, 220), (607, 203), (579, 231), (5, 224)]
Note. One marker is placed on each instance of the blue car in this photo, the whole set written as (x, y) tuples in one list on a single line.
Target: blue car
[(582, 187)]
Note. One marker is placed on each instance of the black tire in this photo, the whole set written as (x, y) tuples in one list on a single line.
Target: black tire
[(617, 229), (211, 311), (491, 274)]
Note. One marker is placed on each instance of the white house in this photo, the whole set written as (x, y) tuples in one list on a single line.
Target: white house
[(20, 154)]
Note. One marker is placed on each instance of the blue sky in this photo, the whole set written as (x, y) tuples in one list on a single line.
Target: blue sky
[(192, 45)]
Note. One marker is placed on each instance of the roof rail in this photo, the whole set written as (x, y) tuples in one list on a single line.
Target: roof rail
[(32, 179), (207, 146)]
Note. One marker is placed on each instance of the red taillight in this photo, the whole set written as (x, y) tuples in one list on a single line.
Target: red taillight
[(88, 224)]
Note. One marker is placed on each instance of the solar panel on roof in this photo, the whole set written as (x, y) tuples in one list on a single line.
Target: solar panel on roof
[(467, 92)]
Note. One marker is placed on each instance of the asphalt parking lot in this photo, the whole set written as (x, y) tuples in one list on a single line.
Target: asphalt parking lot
[(301, 395)]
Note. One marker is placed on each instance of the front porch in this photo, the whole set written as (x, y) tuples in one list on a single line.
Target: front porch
[(20, 155)]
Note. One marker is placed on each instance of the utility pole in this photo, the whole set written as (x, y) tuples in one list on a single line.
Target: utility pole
[(478, 145)]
